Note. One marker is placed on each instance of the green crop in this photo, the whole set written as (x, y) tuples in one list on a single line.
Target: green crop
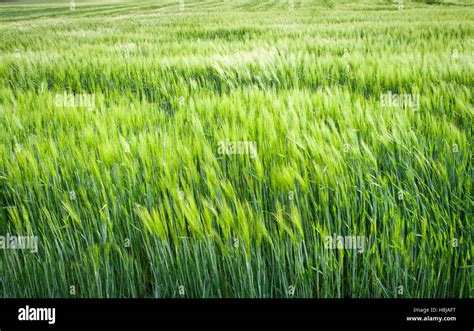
[(237, 148)]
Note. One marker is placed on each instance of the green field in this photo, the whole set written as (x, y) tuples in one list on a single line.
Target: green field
[(237, 148)]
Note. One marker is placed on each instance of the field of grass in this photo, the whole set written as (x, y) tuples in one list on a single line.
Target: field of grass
[(348, 118)]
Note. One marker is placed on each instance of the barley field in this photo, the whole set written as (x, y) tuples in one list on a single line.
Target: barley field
[(236, 149)]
